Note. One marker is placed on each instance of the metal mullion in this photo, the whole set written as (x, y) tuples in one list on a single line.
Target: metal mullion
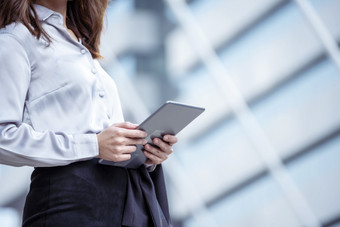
[(321, 30)]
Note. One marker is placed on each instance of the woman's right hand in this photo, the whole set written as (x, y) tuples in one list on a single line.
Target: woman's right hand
[(117, 142)]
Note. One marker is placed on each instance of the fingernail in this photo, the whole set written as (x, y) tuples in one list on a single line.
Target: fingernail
[(145, 142), (166, 137)]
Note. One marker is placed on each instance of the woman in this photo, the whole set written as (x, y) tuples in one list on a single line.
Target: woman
[(60, 112)]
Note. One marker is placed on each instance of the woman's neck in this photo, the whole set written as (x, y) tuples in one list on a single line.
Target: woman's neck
[(59, 6)]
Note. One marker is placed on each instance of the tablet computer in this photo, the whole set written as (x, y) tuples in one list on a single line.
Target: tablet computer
[(169, 119)]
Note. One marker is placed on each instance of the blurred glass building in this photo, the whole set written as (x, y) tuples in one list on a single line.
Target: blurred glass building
[(266, 152)]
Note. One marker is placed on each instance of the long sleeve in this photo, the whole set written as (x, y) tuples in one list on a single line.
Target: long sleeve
[(20, 144)]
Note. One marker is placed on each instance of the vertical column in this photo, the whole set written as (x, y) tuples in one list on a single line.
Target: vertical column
[(321, 30), (152, 64)]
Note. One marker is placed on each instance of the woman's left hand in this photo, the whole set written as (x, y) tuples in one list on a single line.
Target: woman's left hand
[(159, 153)]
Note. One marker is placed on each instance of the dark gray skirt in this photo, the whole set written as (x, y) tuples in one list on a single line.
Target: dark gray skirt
[(89, 194)]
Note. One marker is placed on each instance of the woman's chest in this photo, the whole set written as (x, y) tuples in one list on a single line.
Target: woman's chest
[(69, 91), (61, 65)]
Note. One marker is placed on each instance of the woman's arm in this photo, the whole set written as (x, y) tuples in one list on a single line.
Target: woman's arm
[(20, 144)]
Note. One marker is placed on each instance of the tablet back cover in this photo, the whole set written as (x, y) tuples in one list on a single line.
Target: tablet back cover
[(170, 119)]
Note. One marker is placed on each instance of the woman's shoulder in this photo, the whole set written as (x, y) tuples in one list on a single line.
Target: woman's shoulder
[(18, 31)]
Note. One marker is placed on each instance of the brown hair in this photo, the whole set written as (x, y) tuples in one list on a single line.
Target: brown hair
[(84, 18)]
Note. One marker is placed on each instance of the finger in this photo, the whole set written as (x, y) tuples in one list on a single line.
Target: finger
[(129, 141), (165, 147), (129, 133), (132, 133), (125, 149), (126, 125), (156, 152), (153, 159), (149, 161), (170, 139), (120, 157)]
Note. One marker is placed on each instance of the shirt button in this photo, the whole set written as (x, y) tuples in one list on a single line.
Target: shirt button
[(108, 116), (94, 70), (101, 94), (44, 42), (83, 51)]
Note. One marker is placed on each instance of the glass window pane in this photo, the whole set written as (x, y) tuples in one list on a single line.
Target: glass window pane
[(259, 204), (9, 217), (216, 162), (272, 51), (317, 173), (302, 111), (329, 13)]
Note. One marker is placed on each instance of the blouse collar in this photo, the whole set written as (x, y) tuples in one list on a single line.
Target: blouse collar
[(44, 13)]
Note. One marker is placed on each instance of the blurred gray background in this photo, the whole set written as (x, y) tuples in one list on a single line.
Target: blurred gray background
[(266, 152)]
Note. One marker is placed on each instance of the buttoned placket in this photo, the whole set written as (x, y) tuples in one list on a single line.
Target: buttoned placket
[(100, 89), (94, 71), (58, 23), (58, 20)]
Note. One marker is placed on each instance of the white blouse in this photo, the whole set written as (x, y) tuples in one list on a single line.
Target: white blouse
[(53, 98)]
